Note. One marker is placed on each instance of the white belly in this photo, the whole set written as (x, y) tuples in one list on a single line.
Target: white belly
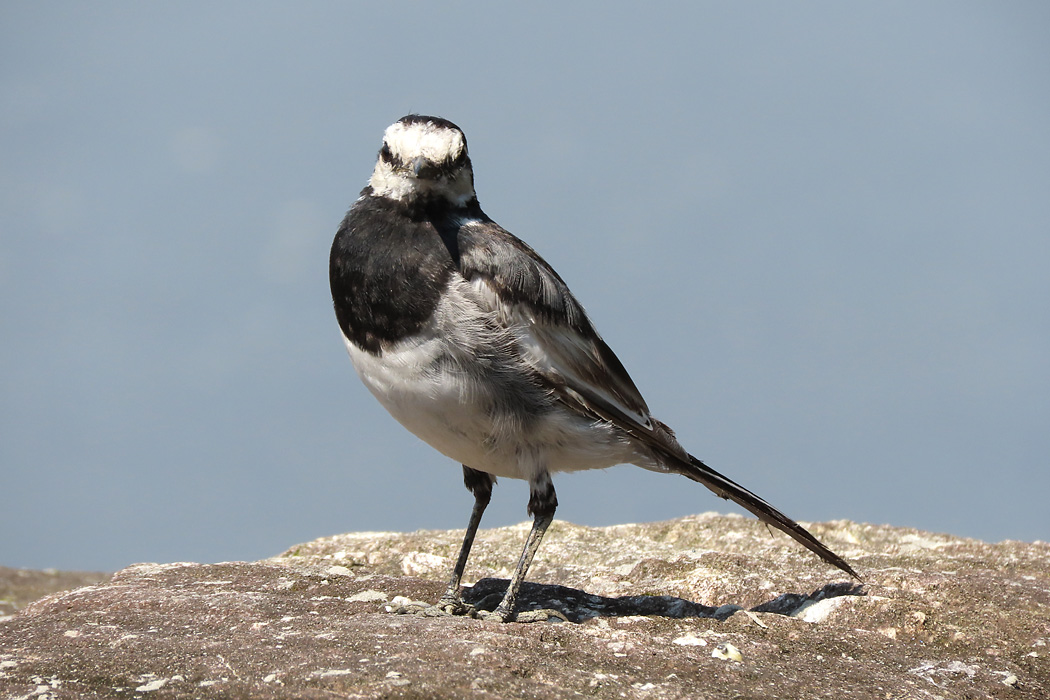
[(468, 416)]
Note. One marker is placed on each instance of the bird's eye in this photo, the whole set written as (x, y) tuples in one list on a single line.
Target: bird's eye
[(386, 154)]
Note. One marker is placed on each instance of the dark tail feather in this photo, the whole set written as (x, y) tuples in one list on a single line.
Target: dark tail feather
[(661, 439), (729, 489)]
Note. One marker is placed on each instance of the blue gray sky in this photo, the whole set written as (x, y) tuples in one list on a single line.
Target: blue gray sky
[(817, 234)]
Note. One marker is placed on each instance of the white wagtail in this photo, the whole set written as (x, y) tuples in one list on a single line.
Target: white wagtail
[(475, 344)]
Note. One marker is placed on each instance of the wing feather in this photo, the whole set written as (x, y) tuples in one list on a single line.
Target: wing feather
[(563, 347), (533, 301)]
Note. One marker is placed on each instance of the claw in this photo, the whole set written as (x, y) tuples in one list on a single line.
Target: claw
[(452, 606), (541, 615), (525, 616)]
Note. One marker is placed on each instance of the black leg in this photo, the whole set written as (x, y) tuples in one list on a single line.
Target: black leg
[(480, 484), (542, 504)]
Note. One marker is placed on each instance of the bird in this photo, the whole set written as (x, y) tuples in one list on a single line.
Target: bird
[(475, 344)]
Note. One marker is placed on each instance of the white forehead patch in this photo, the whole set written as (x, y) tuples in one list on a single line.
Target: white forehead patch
[(435, 143)]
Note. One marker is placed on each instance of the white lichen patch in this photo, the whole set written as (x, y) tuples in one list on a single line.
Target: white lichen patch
[(818, 611), (690, 640), (369, 596), (337, 571), (334, 672), (155, 684), (423, 563)]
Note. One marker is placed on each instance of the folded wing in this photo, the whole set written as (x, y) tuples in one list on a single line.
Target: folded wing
[(580, 368)]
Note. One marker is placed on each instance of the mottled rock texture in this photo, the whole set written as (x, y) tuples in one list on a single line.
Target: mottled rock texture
[(709, 606)]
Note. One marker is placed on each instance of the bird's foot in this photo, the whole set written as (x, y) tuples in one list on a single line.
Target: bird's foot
[(405, 606), (451, 605), (541, 615), (454, 607)]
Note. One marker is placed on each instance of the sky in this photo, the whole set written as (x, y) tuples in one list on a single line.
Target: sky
[(815, 233)]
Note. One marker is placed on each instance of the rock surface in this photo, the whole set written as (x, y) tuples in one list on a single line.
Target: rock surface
[(708, 606), (18, 587)]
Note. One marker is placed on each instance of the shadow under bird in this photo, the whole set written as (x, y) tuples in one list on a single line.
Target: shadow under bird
[(476, 345)]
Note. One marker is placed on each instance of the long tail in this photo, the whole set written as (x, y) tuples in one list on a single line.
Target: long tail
[(729, 489), (672, 457)]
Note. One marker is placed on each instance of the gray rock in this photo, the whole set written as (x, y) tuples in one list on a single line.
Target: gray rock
[(702, 607)]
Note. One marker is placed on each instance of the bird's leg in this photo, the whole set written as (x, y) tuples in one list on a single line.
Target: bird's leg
[(480, 484), (542, 504)]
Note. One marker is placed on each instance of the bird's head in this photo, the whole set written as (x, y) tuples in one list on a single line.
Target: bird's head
[(424, 158)]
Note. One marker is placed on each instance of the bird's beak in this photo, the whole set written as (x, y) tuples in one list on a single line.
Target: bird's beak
[(421, 168)]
